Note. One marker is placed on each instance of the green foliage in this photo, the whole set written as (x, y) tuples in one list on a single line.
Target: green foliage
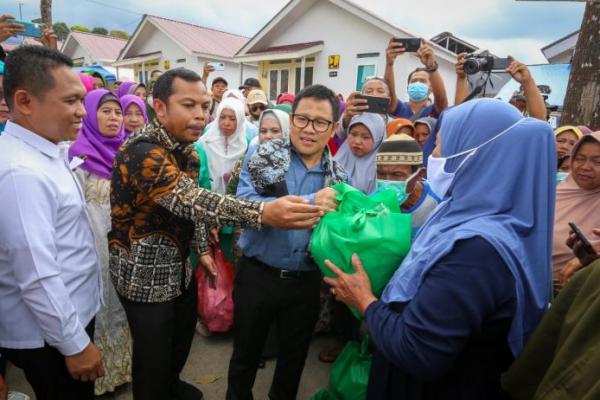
[(80, 28), (100, 31), (120, 34), (62, 30)]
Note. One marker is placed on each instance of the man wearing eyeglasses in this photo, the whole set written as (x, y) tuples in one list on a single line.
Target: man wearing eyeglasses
[(277, 282), (257, 103)]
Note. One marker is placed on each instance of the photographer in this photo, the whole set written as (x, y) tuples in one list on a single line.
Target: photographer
[(536, 107), (422, 82)]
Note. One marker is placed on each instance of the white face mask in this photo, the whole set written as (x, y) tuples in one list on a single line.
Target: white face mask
[(439, 180)]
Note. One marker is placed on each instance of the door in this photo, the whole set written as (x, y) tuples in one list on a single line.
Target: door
[(364, 72), (279, 80)]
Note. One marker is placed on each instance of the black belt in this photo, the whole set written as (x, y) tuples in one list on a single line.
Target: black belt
[(281, 273)]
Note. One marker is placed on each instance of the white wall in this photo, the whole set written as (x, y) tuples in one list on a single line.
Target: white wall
[(231, 72), (347, 35)]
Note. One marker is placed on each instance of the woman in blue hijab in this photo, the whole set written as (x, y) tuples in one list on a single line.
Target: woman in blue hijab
[(478, 277)]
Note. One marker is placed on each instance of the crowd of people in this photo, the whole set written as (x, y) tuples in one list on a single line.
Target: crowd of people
[(114, 196)]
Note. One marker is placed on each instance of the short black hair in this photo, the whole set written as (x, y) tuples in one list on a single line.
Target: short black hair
[(163, 87), (154, 71), (30, 68), (219, 79), (420, 69), (319, 92)]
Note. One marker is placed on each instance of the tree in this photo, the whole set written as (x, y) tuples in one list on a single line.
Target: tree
[(62, 30), (120, 34), (80, 28), (582, 102), (46, 11), (100, 31)]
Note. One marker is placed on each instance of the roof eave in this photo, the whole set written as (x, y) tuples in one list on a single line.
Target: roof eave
[(279, 55)]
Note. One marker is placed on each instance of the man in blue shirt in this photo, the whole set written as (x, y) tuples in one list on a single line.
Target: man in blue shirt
[(276, 281), (422, 82)]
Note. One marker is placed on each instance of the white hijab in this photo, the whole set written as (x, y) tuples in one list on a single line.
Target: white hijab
[(223, 152)]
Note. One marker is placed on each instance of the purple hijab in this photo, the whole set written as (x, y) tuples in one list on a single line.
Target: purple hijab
[(99, 151), (128, 100), (126, 87)]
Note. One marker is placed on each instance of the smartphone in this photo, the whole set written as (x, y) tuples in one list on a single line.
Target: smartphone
[(377, 105), (587, 246), (411, 45), (218, 66), (31, 29)]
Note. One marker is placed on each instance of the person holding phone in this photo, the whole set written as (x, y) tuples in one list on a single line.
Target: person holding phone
[(577, 201), (422, 82)]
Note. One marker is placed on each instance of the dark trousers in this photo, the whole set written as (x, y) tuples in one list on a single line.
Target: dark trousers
[(47, 373), (162, 336), (262, 298)]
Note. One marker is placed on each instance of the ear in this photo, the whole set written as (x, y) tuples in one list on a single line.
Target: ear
[(334, 128), (23, 102), (159, 107)]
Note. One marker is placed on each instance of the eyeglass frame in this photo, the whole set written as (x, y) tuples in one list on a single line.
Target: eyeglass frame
[(310, 121)]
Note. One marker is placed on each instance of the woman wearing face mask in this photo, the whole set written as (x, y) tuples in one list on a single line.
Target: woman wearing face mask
[(477, 279), (578, 201), (135, 113), (357, 153), (94, 150)]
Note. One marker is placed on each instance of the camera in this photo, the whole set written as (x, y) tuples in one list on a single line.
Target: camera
[(484, 62)]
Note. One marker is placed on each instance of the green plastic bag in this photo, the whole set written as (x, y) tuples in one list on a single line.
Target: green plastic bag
[(349, 374), (371, 226)]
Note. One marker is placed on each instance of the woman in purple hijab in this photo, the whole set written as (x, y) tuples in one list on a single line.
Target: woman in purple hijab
[(130, 87), (134, 110), (97, 145)]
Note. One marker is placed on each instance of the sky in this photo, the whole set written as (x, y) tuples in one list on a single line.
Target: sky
[(506, 27)]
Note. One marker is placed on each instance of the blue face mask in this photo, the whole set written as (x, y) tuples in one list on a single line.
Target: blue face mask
[(418, 91), (561, 176)]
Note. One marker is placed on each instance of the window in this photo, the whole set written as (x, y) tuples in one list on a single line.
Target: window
[(364, 72), (278, 82), (308, 78)]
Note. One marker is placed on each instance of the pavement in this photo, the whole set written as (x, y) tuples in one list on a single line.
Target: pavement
[(207, 368)]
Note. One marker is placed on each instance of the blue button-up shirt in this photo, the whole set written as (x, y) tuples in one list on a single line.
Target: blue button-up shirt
[(284, 249)]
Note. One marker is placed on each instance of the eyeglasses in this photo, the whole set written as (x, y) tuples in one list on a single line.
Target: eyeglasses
[(258, 108), (319, 125)]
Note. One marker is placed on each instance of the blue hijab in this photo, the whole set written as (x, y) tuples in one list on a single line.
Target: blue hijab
[(504, 193)]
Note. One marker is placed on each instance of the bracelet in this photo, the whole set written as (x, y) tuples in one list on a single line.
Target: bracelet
[(434, 68)]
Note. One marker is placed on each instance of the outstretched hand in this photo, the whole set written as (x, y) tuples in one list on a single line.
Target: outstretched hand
[(351, 289)]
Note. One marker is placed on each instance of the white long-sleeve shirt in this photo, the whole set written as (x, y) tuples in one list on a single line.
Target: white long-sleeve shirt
[(50, 282)]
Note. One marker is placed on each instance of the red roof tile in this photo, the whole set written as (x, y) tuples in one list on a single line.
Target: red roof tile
[(100, 47), (200, 39), (289, 48)]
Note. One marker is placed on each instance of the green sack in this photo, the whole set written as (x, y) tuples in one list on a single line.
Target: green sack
[(349, 374), (371, 226)]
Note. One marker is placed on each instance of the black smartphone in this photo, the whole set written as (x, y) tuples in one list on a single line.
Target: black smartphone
[(377, 105), (411, 45), (587, 246)]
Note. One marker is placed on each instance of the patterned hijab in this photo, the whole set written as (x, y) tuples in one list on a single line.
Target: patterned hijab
[(97, 150), (271, 162)]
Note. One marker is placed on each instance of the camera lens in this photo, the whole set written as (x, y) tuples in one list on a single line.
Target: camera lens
[(472, 66)]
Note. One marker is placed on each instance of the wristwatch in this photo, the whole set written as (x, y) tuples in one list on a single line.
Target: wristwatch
[(433, 68)]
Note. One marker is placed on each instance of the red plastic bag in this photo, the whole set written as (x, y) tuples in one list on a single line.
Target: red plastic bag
[(215, 304)]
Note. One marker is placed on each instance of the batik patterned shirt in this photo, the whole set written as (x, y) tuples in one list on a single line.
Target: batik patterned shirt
[(158, 213)]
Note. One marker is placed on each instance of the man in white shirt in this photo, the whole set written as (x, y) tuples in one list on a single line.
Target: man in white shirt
[(50, 285)]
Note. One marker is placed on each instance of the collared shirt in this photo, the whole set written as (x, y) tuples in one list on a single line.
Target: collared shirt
[(50, 282), (158, 213), (284, 249)]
